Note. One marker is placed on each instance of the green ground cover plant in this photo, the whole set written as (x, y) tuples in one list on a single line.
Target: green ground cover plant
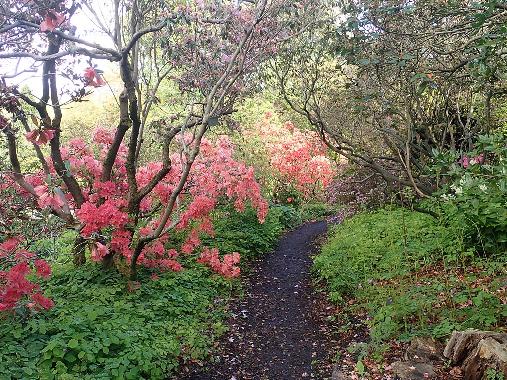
[(411, 275)]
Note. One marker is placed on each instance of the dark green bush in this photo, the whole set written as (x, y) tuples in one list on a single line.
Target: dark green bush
[(242, 232), (289, 216), (312, 211), (475, 193)]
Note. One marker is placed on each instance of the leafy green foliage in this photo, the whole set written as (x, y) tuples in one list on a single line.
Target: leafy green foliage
[(401, 267), (431, 304), (492, 374), (242, 232), (476, 195), (98, 330), (317, 210), (379, 246), (103, 327)]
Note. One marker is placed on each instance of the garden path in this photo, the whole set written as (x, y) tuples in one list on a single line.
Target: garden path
[(276, 329)]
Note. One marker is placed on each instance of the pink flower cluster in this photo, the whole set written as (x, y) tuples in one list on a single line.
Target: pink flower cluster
[(14, 284), (298, 156), (95, 218), (466, 161), (105, 222), (227, 267)]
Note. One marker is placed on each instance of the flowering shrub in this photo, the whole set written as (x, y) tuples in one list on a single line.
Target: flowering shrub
[(16, 266), (210, 51), (476, 193), (109, 228), (297, 159), (356, 189)]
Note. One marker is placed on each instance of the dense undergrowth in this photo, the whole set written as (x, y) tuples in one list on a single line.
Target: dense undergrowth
[(98, 330), (104, 327), (412, 276)]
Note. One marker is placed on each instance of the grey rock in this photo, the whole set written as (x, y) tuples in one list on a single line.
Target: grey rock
[(477, 351), (338, 374), (413, 371), (423, 350), (489, 354), (461, 343)]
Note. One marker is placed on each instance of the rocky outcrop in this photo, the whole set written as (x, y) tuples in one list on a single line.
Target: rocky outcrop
[(419, 359), (477, 352)]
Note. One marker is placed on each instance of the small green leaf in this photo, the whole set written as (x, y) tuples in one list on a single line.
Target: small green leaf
[(360, 368)]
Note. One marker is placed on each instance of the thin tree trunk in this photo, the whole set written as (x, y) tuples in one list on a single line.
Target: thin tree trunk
[(78, 251)]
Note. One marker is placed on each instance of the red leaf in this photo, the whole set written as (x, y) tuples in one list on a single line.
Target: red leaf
[(40, 137), (89, 74)]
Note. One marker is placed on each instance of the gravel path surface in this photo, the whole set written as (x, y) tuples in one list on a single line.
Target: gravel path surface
[(277, 330)]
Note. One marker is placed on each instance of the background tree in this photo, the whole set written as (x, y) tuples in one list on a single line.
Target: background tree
[(394, 84)]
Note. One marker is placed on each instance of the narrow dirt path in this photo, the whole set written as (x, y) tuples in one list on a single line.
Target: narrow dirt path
[(277, 330)]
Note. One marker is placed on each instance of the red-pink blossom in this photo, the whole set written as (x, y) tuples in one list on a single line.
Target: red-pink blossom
[(15, 286), (42, 301), (43, 268), (47, 199), (93, 78), (227, 267), (9, 245), (40, 136), (99, 251), (52, 20)]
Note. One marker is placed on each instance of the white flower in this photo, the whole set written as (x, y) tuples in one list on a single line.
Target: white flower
[(458, 190), (447, 197), (483, 187)]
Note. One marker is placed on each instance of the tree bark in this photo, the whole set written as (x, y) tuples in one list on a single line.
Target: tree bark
[(78, 251)]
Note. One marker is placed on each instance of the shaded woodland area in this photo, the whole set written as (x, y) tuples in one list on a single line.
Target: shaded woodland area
[(159, 160)]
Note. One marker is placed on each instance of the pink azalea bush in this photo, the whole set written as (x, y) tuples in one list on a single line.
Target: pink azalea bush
[(297, 158), (18, 267)]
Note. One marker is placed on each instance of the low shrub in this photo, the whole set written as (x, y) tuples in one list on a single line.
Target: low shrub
[(380, 245), (313, 211), (411, 275), (99, 330), (289, 215), (242, 232), (475, 192)]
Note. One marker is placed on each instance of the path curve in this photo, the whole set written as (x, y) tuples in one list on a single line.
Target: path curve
[(276, 329)]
